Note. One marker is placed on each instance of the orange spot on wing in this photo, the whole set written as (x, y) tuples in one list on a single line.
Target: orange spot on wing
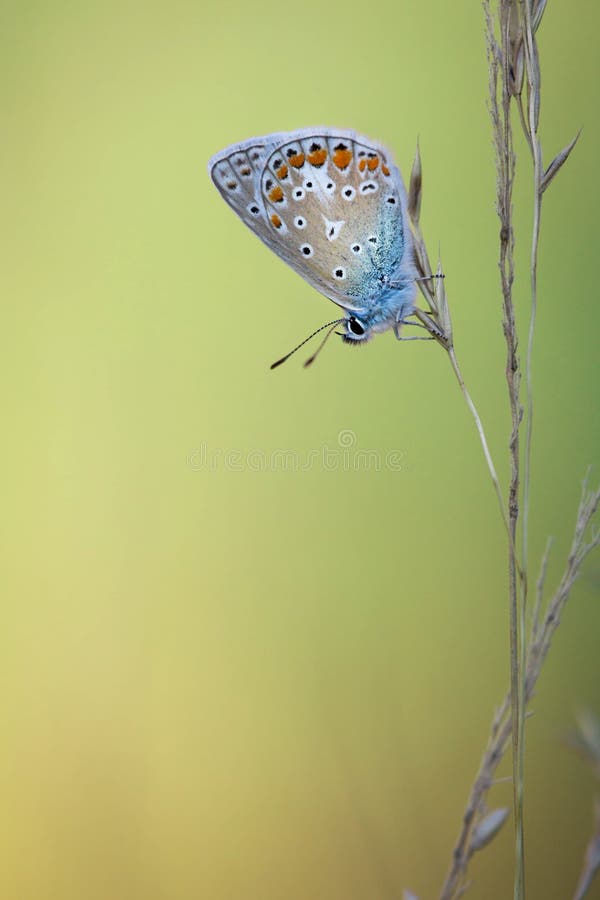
[(342, 158), (276, 194), (373, 163), (276, 220), (385, 169), (317, 158), (297, 161), (362, 165), (282, 172)]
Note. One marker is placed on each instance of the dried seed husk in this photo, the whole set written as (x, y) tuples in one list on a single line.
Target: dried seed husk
[(538, 11), (557, 163), (415, 189), (489, 827)]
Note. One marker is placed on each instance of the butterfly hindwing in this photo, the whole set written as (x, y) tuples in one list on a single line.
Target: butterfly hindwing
[(236, 174)]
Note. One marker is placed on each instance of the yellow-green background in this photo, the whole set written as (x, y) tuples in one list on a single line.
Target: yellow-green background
[(267, 685)]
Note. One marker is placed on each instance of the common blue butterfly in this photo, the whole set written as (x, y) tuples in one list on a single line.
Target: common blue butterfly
[(332, 204)]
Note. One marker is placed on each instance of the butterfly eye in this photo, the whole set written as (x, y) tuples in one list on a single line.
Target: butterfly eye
[(355, 326)]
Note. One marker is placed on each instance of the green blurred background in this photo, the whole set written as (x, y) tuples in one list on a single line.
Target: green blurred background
[(228, 683)]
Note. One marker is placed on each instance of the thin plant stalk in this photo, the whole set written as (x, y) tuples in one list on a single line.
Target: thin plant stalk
[(444, 337), (499, 57), (438, 323), (549, 619), (530, 127), (482, 437), (508, 56), (533, 85)]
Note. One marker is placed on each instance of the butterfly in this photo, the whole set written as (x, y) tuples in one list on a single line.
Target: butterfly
[(332, 204)]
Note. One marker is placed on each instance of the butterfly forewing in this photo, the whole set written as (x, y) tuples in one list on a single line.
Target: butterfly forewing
[(331, 204)]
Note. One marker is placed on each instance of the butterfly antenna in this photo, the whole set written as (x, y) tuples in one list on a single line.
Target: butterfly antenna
[(312, 358), (330, 325)]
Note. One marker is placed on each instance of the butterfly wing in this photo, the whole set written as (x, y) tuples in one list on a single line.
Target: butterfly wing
[(329, 202), (236, 174)]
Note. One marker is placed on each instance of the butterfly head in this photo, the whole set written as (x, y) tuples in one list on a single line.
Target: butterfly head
[(357, 331)]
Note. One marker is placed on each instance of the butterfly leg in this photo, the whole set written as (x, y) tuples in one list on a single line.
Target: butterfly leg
[(398, 329), (416, 337), (407, 322), (429, 277)]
